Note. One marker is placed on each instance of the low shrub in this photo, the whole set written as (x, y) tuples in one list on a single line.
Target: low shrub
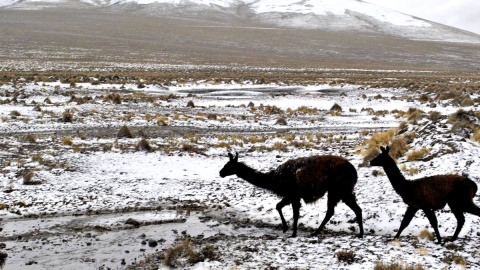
[(336, 108), (67, 140), (418, 154), (28, 178), (67, 116), (212, 116), (124, 132), (455, 258), (434, 116), (280, 146), (15, 113), (426, 234), (345, 256), (31, 138), (396, 266), (180, 254), (144, 145), (281, 121), (464, 123), (398, 145)]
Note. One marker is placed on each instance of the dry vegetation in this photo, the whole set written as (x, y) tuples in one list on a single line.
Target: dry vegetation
[(39, 151), (397, 266)]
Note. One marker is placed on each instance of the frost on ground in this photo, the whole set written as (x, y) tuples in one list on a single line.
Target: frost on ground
[(76, 193)]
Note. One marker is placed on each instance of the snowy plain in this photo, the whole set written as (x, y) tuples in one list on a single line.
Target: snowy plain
[(76, 217)]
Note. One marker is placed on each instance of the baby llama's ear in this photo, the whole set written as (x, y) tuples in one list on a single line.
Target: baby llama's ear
[(387, 149), (231, 156), (236, 156)]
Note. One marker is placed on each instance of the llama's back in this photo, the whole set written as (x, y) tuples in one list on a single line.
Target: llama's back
[(435, 192), (311, 177)]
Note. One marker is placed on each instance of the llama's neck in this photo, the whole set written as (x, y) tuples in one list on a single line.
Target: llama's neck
[(399, 183), (254, 177)]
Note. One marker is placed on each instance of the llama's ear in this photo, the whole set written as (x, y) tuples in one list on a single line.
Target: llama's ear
[(236, 156), (382, 149), (231, 156), (387, 149)]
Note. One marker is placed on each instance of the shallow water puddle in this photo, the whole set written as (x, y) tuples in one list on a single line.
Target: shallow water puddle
[(90, 242)]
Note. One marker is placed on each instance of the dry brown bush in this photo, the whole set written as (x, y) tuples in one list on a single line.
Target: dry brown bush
[(124, 132), (396, 266)]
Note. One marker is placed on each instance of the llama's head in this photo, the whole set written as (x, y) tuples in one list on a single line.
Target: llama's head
[(381, 158), (231, 167)]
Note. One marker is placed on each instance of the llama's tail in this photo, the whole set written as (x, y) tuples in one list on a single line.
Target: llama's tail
[(472, 185)]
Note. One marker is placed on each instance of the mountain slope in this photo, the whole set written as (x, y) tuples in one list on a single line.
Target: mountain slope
[(342, 33)]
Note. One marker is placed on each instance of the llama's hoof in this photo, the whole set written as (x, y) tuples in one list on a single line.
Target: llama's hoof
[(315, 234), (293, 235), (360, 235), (285, 229)]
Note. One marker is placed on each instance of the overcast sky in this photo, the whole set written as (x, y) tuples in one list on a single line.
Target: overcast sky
[(463, 14)]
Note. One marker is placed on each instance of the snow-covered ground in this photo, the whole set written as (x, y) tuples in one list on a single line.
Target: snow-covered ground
[(90, 185)]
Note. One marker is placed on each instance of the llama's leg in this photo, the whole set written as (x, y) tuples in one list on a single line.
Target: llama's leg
[(332, 202), (460, 221), (296, 214), (409, 214), (433, 221), (351, 202), (280, 205)]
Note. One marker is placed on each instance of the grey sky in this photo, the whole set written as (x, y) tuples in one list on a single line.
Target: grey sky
[(463, 14)]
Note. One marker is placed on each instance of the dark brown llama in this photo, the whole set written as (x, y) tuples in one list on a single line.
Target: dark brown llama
[(307, 178), (430, 194)]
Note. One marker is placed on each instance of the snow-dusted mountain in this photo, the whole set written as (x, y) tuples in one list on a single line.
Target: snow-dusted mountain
[(310, 14), (213, 31)]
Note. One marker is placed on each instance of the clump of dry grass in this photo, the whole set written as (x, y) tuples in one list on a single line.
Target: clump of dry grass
[(28, 178), (115, 98), (4, 206), (476, 135), (174, 254), (424, 98), (464, 123), (345, 256), (268, 110), (306, 110), (336, 108), (398, 145), (15, 114), (281, 121), (409, 170), (455, 258), (124, 132), (426, 234), (31, 138), (280, 146), (434, 116), (184, 254), (414, 115), (144, 145), (67, 116), (396, 266), (161, 121), (67, 140), (418, 154), (212, 116)]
